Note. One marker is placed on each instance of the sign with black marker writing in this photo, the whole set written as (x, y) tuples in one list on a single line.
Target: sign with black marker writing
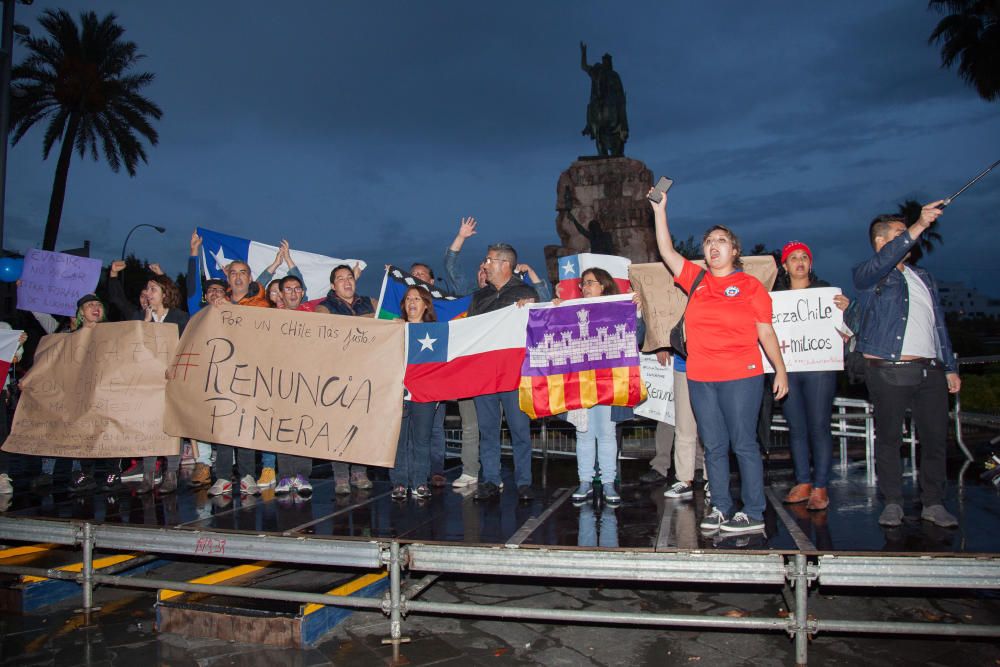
[(308, 384), (97, 393), (806, 321)]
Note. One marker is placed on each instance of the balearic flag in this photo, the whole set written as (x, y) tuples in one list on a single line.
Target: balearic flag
[(579, 354), (470, 356), (571, 269), (218, 250), (394, 286)]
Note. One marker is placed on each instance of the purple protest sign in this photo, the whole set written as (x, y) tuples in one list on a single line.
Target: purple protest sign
[(53, 281), (581, 335)]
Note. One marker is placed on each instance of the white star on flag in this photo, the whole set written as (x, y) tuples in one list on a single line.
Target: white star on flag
[(221, 261), (427, 343), (568, 268)]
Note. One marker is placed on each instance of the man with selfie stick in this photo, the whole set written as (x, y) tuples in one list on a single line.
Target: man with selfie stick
[(909, 363)]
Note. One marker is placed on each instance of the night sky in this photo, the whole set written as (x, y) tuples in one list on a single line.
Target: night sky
[(368, 129)]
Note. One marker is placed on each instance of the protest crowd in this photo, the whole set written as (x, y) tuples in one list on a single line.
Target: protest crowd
[(894, 335)]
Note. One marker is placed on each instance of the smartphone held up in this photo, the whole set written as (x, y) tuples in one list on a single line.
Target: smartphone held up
[(660, 189)]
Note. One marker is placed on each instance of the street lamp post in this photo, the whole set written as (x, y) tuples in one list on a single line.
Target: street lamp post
[(129, 235), (140, 225)]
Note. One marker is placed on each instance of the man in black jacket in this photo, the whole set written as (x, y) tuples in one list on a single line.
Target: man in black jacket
[(502, 289)]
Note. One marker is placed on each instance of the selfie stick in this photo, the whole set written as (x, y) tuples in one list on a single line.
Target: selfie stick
[(968, 185)]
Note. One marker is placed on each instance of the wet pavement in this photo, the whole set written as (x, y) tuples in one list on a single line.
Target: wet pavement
[(122, 632)]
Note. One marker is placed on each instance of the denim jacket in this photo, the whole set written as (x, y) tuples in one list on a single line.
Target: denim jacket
[(883, 304)]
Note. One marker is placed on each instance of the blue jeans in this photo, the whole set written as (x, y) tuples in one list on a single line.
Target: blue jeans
[(268, 460), (413, 449), (488, 413), (727, 419), (807, 409), (437, 446), (587, 528), (597, 442)]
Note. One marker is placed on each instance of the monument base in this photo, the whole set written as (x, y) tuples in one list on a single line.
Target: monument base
[(602, 208)]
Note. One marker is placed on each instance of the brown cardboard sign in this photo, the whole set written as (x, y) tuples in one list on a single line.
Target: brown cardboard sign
[(308, 384), (97, 393)]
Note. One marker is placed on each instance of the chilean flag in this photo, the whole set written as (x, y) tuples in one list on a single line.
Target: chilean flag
[(466, 357), (571, 269), (9, 342), (218, 250)]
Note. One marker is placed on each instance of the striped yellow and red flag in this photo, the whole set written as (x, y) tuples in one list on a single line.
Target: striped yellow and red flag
[(580, 354)]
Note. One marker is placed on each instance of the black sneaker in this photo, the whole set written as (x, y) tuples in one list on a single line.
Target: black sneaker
[(652, 477), (525, 493), (421, 492), (713, 520), (112, 482), (741, 523), (681, 490), (82, 483), (487, 491)]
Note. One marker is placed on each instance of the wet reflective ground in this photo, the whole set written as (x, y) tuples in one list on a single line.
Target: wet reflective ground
[(644, 520)]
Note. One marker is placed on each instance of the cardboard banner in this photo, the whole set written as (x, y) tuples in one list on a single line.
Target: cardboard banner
[(659, 380), (53, 281), (663, 302), (97, 393), (806, 322), (309, 384)]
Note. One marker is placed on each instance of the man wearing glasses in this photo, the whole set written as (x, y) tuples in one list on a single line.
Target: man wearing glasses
[(502, 289)]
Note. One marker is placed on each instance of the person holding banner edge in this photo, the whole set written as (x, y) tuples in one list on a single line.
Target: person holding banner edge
[(809, 402), (163, 304), (726, 318), (412, 467)]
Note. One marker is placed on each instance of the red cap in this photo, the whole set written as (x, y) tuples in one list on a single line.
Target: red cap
[(791, 247)]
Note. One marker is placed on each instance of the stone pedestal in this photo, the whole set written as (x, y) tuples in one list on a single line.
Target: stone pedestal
[(606, 197)]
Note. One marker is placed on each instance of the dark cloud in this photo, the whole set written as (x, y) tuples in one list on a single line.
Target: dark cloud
[(369, 129)]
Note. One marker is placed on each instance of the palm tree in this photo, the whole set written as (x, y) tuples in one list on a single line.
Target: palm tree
[(971, 33), (80, 80), (909, 211)]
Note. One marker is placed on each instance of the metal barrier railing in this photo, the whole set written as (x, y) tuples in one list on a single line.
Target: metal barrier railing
[(797, 570)]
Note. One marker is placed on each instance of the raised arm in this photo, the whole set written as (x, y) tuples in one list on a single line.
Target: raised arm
[(673, 259), (452, 271), (583, 58)]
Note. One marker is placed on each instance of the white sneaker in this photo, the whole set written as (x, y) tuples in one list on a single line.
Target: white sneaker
[(248, 485), (465, 480), (6, 484), (220, 487), (302, 487)]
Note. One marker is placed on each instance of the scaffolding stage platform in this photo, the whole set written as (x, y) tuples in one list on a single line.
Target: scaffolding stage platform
[(648, 539)]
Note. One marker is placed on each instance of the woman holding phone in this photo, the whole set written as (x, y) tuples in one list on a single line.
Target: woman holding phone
[(728, 314)]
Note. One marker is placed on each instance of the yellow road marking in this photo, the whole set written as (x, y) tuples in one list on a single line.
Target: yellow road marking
[(348, 588), (216, 577), (99, 563), (23, 551)]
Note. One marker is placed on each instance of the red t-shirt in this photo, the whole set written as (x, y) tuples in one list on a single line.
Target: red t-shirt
[(721, 324)]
